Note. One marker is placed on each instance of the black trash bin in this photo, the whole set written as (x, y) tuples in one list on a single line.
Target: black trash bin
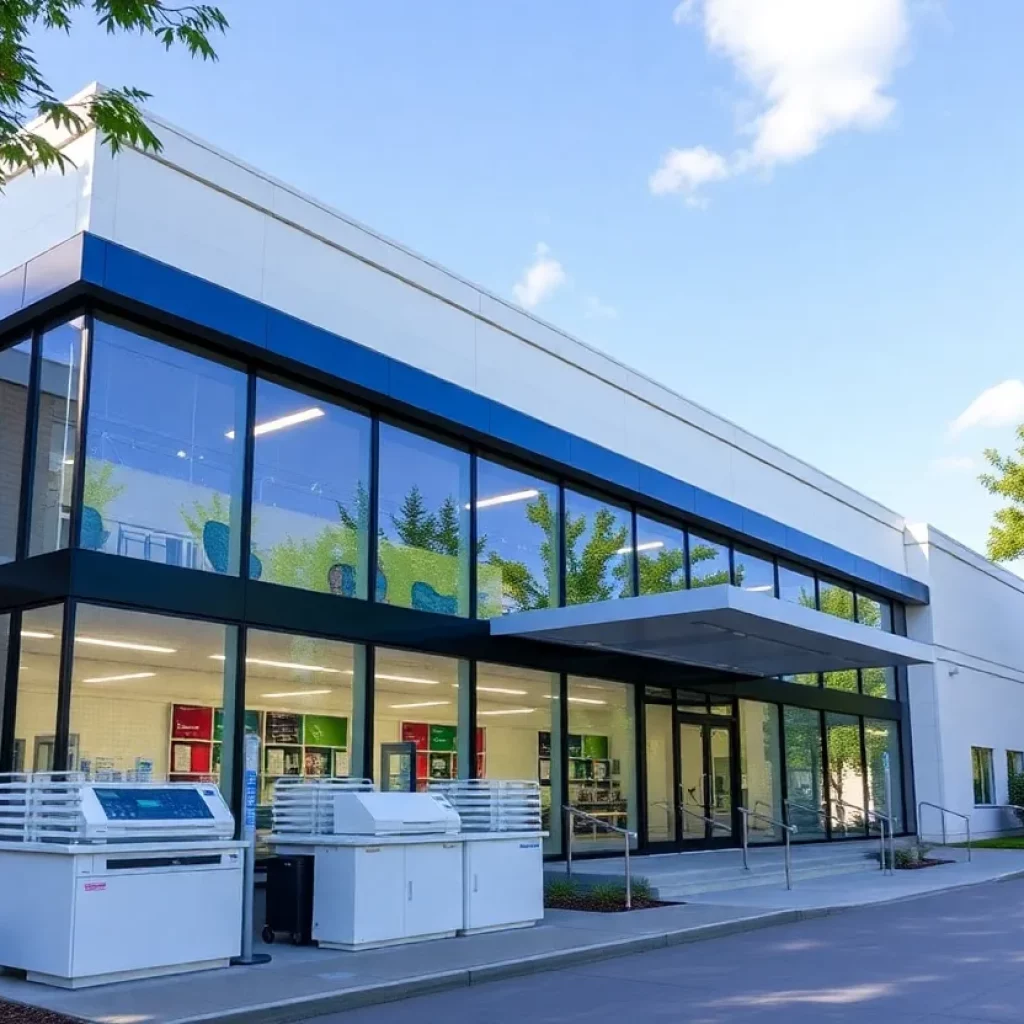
[(289, 899)]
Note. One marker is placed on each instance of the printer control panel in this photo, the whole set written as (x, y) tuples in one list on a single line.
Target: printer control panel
[(152, 804)]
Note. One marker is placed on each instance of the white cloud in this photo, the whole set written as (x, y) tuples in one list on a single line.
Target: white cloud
[(686, 170), (954, 464), (998, 406), (815, 67), (595, 309), (544, 276)]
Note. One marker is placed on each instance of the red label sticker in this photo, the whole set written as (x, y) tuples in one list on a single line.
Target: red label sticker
[(95, 886)]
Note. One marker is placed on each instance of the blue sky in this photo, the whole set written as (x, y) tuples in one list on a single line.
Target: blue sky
[(842, 278)]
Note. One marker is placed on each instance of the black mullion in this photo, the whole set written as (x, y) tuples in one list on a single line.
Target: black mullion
[(62, 728), (732, 563), (826, 779), (561, 545), (28, 459), (472, 747), (686, 557), (563, 755), (372, 513), (640, 732), (248, 471), (635, 560), (10, 692), (678, 803), (78, 474), (236, 791), (369, 699), (473, 596), (775, 577)]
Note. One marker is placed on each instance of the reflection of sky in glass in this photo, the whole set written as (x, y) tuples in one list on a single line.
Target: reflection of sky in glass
[(614, 578), (312, 465), (408, 460), (164, 411), (754, 573), (661, 555), (795, 586), (709, 562), (504, 500)]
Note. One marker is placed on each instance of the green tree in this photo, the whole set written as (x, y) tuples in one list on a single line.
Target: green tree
[(448, 536), (25, 94), (700, 553), (1006, 534), (99, 490), (415, 525), (661, 572), (519, 586), (218, 511), (587, 575)]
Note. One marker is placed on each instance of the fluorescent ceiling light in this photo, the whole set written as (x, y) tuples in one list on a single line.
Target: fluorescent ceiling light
[(650, 545), (118, 679), (125, 645), (501, 689), (407, 679), (509, 711), (302, 416), (579, 700), (35, 635), (422, 704), (504, 499), (296, 693), (763, 589), (282, 664), (69, 462)]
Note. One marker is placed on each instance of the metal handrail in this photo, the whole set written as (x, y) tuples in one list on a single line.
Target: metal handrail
[(703, 817), (884, 819), (574, 812), (787, 831), (944, 811)]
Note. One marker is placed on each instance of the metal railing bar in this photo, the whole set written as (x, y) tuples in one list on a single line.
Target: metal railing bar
[(943, 812), (574, 812), (787, 831)]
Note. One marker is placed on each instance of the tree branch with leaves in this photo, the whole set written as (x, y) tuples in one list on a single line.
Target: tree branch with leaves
[(28, 105)]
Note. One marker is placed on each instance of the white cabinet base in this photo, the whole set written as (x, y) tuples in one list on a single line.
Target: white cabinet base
[(108, 979), (503, 882), (354, 947)]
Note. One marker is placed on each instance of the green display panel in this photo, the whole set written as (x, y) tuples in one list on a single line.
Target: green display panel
[(443, 737), (252, 724), (325, 731), (595, 746), (575, 746)]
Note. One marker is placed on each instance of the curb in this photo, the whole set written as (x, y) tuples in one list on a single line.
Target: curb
[(299, 1009)]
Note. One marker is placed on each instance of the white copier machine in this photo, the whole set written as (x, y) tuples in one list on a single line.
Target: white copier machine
[(110, 881)]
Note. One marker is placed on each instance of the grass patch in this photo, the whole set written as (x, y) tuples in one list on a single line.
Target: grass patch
[(605, 898), (996, 843)]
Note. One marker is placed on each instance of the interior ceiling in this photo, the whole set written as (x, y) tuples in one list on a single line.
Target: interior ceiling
[(722, 628)]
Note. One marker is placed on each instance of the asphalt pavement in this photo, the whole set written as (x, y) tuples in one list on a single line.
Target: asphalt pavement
[(951, 958)]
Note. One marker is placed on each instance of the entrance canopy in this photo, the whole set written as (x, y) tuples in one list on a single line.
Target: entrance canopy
[(721, 627)]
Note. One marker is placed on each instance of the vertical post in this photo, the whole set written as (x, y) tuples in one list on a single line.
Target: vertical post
[(968, 840), (888, 811), (743, 831), (252, 763), (789, 865), (629, 879), (568, 841)]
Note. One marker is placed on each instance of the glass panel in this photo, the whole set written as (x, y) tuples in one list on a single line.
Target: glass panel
[(151, 695), (424, 524), (662, 556), (753, 572), (721, 781), (835, 599), (795, 586), (845, 680), (804, 775), (38, 675), (661, 796), (163, 471), (761, 767), (981, 765), (299, 695), (845, 774), (721, 706), (416, 700), (709, 562), (598, 546), (1014, 763), (57, 437), (876, 612), (802, 679), (602, 764), (517, 541), (518, 735), (689, 701), (878, 682), (14, 369), (882, 737), (692, 788), (310, 496)]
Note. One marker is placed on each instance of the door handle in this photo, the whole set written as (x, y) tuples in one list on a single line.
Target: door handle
[(476, 883), (410, 892)]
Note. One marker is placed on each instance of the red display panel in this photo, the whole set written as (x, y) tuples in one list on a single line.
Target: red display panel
[(416, 732), (189, 722)]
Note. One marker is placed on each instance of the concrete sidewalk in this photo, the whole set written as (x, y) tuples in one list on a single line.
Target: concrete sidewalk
[(303, 982)]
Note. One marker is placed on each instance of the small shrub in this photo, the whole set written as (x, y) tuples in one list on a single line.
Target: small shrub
[(561, 889), (1017, 794), (907, 857)]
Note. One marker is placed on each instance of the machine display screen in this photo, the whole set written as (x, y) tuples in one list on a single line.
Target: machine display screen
[(152, 804)]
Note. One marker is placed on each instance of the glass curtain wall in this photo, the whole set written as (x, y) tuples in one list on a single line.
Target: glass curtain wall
[(602, 759), (423, 523), (311, 493), (796, 586), (804, 772), (709, 562), (661, 556), (845, 774), (164, 453), (882, 740), (517, 541), (761, 767), (661, 786), (598, 550), (14, 373), (518, 735), (416, 700), (35, 722), (753, 572), (57, 437)]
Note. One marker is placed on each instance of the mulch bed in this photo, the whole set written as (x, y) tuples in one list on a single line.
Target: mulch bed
[(18, 1013), (927, 862), (581, 902)]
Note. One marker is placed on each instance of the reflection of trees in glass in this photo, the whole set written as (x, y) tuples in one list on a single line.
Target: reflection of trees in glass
[(587, 576), (661, 572), (519, 586), (217, 511), (835, 601), (844, 767), (708, 577), (99, 489)]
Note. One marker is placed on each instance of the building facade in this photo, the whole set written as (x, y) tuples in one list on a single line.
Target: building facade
[(263, 471)]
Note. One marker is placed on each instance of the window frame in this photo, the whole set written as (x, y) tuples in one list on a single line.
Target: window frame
[(983, 775)]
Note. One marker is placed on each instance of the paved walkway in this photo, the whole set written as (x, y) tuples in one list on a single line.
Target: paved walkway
[(952, 958)]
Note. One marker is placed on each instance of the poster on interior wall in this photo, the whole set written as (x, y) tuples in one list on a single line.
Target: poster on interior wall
[(181, 757), (415, 732), (191, 722), (283, 727), (341, 764), (443, 737), (544, 743), (325, 731)]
